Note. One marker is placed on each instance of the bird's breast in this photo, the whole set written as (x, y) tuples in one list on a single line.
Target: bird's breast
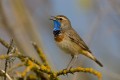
[(59, 38), (66, 44)]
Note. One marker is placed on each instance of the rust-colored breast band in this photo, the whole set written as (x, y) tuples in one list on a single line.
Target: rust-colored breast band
[(59, 38)]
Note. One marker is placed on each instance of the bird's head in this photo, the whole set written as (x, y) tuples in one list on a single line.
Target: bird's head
[(61, 22)]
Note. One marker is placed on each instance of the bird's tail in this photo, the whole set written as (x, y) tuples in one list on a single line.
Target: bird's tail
[(98, 62), (90, 55)]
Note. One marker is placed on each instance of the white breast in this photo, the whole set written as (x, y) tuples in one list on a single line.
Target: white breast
[(67, 45)]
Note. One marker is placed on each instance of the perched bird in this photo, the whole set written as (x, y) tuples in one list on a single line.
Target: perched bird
[(68, 40)]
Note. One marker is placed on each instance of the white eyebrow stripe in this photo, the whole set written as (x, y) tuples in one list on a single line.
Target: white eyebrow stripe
[(62, 18)]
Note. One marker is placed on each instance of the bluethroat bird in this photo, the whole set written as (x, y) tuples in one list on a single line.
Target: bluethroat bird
[(69, 41)]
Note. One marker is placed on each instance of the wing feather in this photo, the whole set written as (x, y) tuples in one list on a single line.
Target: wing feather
[(74, 37)]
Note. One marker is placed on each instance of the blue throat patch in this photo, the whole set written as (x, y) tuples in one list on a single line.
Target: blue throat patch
[(56, 25), (56, 30)]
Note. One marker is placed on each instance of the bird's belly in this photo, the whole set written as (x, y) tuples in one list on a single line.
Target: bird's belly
[(69, 47)]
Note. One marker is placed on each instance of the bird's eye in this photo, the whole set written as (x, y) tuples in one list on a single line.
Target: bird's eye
[(60, 19)]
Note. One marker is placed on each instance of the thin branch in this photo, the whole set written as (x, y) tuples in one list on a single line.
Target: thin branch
[(6, 61), (80, 69), (41, 54), (17, 53), (15, 66), (31, 64), (2, 71)]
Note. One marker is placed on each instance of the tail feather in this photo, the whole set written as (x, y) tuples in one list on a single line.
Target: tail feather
[(98, 62), (90, 55)]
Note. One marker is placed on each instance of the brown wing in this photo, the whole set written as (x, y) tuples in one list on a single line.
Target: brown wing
[(72, 34)]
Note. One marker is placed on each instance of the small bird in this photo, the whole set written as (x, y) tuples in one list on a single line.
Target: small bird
[(69, 41)]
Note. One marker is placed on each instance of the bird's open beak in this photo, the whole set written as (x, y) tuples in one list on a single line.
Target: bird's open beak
[(52, 18)]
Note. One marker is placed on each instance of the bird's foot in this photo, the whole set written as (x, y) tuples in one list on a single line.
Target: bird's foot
[(68, 69)]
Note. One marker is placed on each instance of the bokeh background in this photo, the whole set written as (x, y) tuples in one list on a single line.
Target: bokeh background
[(96, 21)]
